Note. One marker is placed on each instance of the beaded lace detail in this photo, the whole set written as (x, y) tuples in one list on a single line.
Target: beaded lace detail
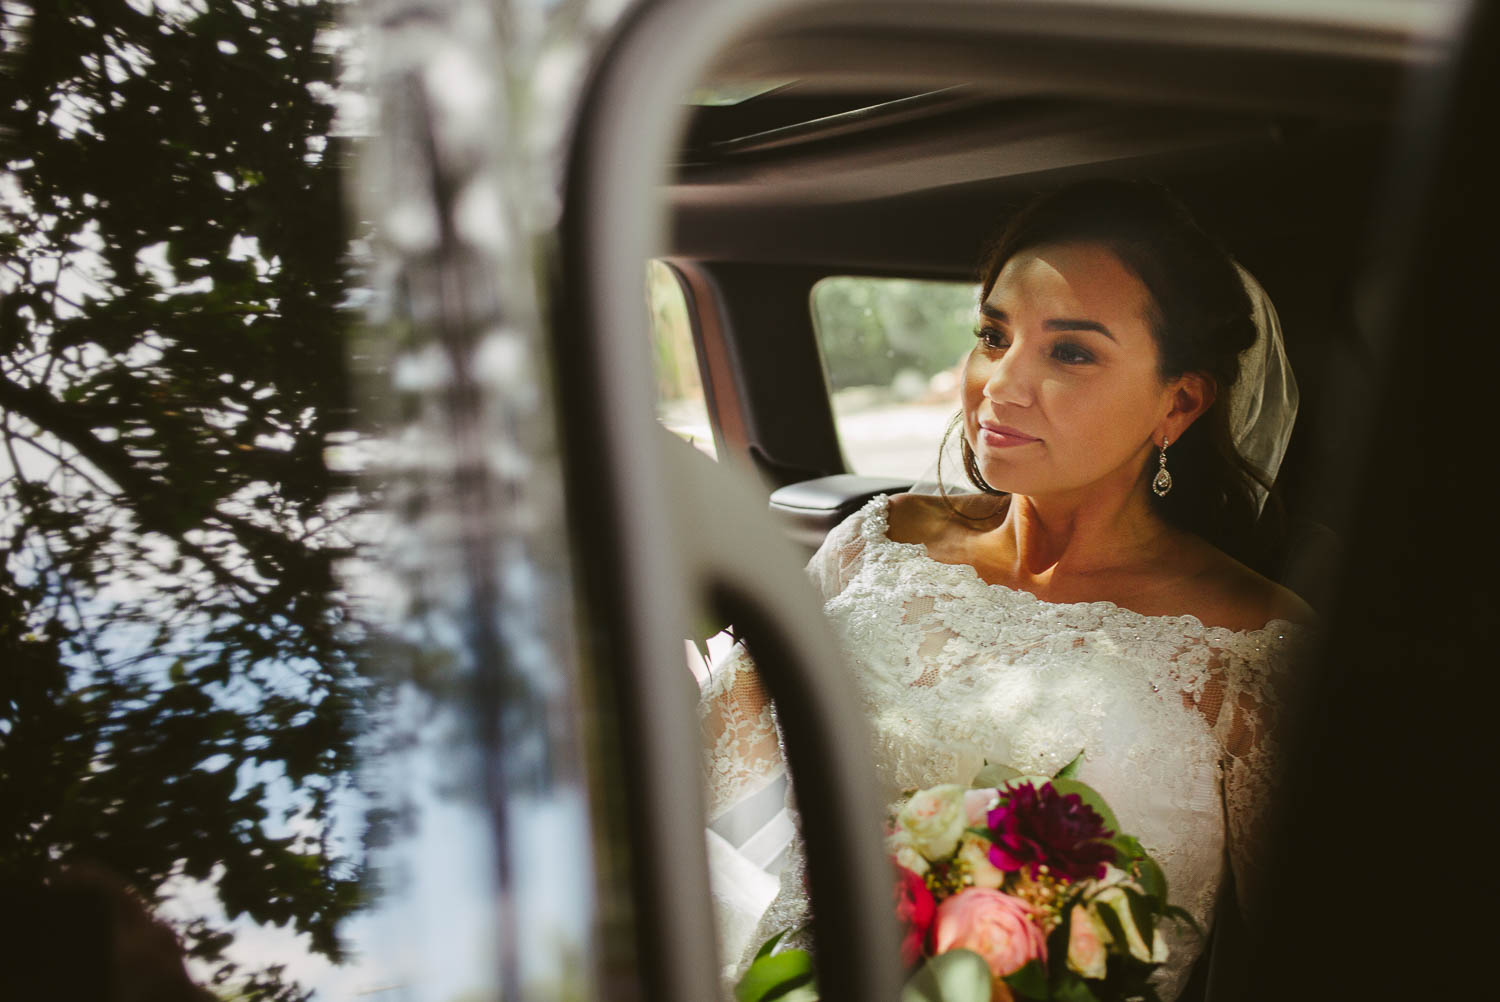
[(1177, 721)]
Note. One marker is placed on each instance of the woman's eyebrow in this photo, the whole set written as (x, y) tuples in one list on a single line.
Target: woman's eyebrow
[(1056, 324), (1070, 324)]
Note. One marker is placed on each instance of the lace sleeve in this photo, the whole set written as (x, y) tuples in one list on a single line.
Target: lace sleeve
[(837, 559), (742, 752), (742, 755), (1247, 699)]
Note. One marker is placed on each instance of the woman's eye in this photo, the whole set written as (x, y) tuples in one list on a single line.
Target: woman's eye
[(990, 337), (1071, 354)]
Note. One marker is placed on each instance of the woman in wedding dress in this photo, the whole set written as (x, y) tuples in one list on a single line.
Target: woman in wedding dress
[(1086, 595)]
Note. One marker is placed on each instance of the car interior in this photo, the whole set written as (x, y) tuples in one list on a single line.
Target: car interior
[(869, 145), (893, 140), (1329, 145)]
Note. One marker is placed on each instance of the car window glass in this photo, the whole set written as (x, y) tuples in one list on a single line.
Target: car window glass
[(680, 404), (239, 724), (892, 349), (180, 486)]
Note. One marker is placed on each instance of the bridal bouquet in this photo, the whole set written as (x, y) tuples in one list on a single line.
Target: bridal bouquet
[(1017, 888)]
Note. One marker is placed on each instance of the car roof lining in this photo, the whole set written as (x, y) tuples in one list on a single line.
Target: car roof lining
[(905, 132), (924, 203)]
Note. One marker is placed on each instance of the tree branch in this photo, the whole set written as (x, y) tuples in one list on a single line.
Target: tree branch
[(91, 643), (144, 494)]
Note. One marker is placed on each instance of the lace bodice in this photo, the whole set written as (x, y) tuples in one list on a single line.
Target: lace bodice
[(1177, 721)]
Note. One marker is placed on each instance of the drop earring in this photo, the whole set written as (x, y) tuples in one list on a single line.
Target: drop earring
[(1162, 482)]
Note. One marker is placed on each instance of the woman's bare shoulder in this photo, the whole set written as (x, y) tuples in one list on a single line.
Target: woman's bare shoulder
[(1234, 595), (929, 518)]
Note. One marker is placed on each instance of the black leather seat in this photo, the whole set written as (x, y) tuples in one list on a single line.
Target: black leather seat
[(811, 508)]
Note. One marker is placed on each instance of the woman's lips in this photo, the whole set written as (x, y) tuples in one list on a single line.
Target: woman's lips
[(999, 436)]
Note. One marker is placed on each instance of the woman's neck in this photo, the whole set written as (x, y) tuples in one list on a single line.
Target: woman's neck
[(1045, 542)]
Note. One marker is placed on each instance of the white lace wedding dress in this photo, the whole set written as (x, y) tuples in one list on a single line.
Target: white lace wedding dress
[(1176, 720)]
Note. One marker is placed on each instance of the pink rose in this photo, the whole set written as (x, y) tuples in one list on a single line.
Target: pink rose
[(996, 926), (977, 804)]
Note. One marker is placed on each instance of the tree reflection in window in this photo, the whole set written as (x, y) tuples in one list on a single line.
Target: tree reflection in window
[(181, 678)]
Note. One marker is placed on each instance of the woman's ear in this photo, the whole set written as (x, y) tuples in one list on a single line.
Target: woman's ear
[(1192, 393)]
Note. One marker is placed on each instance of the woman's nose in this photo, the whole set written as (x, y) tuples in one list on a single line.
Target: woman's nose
[(1011, 379)]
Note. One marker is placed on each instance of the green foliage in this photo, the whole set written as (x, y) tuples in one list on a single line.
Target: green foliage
[(677, 375), (775, 976), (955, 976), (1070, 771), (1030, 981), (1132, 857), (870, 329), (769, 946), (172, 369), (994, 775)]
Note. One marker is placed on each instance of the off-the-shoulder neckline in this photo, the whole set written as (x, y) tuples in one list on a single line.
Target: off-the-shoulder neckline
[(876, 527)]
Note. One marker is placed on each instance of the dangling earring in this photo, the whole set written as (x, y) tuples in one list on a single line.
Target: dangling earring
[(1162, 482)]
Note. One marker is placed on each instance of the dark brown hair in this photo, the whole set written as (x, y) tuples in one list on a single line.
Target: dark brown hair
[(1200, 318)]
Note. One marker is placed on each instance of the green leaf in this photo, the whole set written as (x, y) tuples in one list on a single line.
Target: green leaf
[(1183, 915), (1070, 770), (770, 944), (955, 976), (994, 775), (1142, 914), (1153, 880), (774, 975), (1089, 796), (1057, 945), (802, 993), (1128, 848), (1071, 988), (1114, 925), (1030, 981)]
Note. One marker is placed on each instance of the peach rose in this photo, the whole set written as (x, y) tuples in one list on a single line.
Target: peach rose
[(996, 926), (1086, 953)]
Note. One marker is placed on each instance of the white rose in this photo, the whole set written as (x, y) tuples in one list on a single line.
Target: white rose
[(1109, 891), (935, 818), (1113, 875), (975, 851), (1114, 899), (898, 844)]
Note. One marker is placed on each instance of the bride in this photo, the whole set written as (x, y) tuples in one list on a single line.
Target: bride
[(1086, 594)]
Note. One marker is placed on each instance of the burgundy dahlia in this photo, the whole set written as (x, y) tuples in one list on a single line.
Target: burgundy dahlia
[(1033, 827)]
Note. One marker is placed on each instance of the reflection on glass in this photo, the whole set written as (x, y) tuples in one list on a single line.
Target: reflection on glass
[(198, 648), (184, 676)]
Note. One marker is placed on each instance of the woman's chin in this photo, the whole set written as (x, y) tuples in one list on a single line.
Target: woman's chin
[(1005, 480)]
